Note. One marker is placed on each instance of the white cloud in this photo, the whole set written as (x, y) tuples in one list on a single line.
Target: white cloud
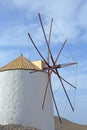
[(82, 16), (68, 16), (14, 35), (21, 3)]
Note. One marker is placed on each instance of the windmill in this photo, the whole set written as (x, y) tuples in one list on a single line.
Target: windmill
[(53, 68)]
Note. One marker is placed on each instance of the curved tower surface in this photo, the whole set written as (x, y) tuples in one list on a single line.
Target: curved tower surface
[(21, 95)]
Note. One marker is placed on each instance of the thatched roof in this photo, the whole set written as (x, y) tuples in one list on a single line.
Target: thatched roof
[(23, 63)]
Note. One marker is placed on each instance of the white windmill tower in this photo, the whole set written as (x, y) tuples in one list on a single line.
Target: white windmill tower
[(21, 94)]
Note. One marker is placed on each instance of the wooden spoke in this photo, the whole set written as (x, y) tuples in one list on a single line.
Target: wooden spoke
[(61, 65), (55, 103), (67, 64), (46, 37), (60, 50), (48, 81), (38, 50), (49, 39), (34, 71), (68, 82), (65, 91)]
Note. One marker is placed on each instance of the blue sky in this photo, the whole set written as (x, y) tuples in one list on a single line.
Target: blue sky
[(18, 17)]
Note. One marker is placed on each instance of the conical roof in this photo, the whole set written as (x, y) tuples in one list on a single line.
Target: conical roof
[(20, 63)]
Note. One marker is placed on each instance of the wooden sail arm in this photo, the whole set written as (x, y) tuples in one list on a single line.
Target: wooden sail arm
[(61, 65), (66, 65)]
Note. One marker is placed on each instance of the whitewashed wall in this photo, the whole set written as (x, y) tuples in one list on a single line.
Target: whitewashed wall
[(21, 95)]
